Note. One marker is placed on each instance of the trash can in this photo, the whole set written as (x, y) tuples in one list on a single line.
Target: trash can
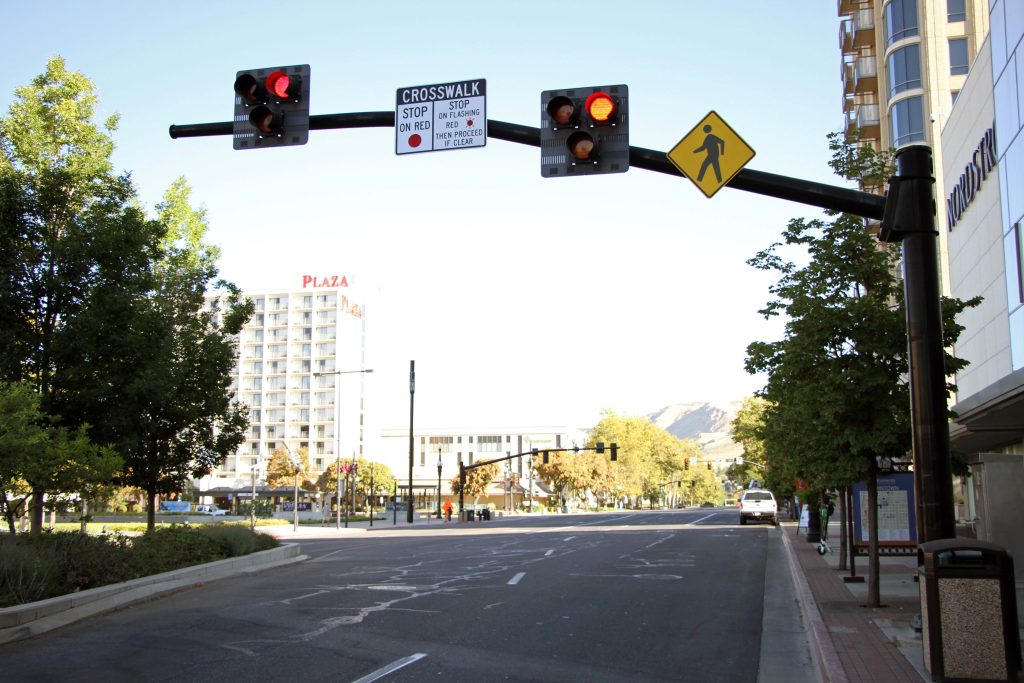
[(467, 515), (968, 611)]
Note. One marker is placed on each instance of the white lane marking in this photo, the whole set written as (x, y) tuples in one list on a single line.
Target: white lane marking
[(568, 538), (698, 521), (391, 668), (549, 553), (493, 604), (516, 579)]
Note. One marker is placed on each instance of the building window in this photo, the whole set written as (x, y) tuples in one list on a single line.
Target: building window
[(900, 20), (907, 121), (488, 444), (954, 94), (959, 62), (904, 69), (1014, 281), (956, 10)]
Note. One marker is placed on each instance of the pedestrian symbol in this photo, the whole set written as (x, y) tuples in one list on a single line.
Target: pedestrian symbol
[(711, 154)]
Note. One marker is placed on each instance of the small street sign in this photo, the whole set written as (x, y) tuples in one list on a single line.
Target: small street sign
[(711, 154), (432, 118)]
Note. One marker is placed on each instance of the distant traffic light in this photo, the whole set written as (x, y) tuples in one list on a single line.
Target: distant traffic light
[(546, 455), (686, 463), (584, 131), (615, 451), (600, 447), (271, 107), (709, 465)]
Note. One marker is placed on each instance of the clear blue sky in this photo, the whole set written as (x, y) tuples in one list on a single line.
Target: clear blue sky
[(522, 299)]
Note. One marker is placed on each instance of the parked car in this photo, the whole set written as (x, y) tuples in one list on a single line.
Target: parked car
[(758, 505), (209, 510)]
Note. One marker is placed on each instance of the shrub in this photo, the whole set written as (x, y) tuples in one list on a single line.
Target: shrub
[(40, 566), (236, 540)]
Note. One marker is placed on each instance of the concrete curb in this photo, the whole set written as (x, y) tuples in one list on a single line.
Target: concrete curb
[(30, 619), (823, 650)]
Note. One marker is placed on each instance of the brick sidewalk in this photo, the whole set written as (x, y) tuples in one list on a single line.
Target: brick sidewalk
[(859, 650)]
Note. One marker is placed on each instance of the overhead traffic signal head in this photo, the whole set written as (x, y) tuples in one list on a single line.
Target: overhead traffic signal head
[(615, 451), (600, 447), (546, 456), (271, 107), (584, 131)]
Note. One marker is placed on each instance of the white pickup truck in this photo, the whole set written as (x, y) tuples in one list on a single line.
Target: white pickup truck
[(210, 510), (758, 505)]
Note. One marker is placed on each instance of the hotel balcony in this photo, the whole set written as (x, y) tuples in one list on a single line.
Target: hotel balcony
[(865, 75), (847, 74), (863, 28), (849, 6), (868, 121), (846, 36)]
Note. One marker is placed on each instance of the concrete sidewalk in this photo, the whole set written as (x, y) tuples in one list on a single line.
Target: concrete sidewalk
[(854, 642)]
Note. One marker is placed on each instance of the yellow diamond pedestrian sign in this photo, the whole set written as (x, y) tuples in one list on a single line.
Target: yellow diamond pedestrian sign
[(711, 154)]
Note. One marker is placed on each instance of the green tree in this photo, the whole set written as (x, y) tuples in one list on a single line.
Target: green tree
[(68, 229), (285, 465), (836, 391), (37, 455), (649, 457), (477, 481), (171, 414)]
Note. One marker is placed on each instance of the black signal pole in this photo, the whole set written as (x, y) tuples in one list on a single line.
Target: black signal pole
[(907, 213), (412, 393), (910, 219)]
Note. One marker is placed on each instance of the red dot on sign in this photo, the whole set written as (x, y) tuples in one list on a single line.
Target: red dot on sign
[(469, 122), (415, 140)]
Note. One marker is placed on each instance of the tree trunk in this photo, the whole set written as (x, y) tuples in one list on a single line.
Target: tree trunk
[(8, 512), (150, 510), (36, 512), (874, 595)]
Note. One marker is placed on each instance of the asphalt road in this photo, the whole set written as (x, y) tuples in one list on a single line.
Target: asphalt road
[(651, 596)]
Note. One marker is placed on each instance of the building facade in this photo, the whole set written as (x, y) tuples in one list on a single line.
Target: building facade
[(904, 63), (984, 159), (447, 447), (299, 370)]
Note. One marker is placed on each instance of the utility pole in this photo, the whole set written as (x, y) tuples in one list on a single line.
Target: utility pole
[(412, 393)]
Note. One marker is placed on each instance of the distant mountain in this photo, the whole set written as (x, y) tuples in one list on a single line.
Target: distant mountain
[(710, 424)]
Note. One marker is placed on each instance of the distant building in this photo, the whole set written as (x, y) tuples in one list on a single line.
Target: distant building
[(450, 446), (288, 356)]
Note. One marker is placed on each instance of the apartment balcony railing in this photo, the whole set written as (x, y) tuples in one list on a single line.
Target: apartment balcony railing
[(865, 75), (846, 36), (863, 28)]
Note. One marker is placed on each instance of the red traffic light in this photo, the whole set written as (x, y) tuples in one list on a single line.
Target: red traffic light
[(284, 87), (600, 107)]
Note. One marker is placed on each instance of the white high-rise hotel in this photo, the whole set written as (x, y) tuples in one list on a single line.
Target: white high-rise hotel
[(288, 356)]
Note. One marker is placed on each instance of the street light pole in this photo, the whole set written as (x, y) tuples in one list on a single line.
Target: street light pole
[(252, 510), (439, 482), (412, 392), (337, 435)]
